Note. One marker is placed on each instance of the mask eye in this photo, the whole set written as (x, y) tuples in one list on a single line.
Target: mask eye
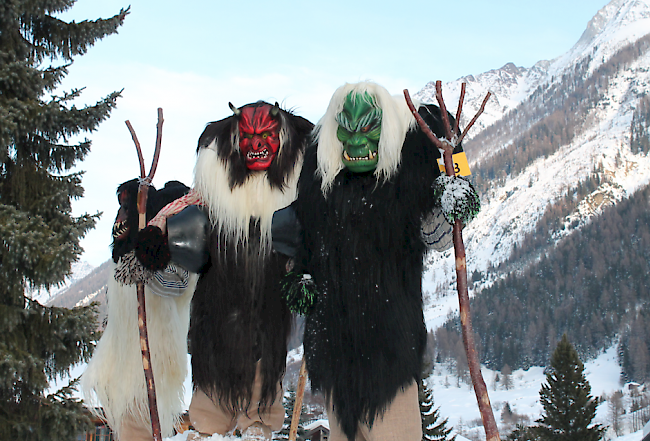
[(342, 133), (265, 135), (366, 129)]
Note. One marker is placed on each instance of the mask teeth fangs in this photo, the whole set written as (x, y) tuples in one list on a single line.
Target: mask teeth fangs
[(258, 155), (119, 229), (371, 155)]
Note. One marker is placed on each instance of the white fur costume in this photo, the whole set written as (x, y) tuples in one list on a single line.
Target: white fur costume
[(115, 378)]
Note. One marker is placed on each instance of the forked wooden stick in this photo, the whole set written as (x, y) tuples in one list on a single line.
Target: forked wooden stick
[(447, 145), (297, 405), (143, 192)]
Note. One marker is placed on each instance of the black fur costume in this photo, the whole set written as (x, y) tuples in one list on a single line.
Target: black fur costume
[(237, 315), (127, 217), (365, 337)]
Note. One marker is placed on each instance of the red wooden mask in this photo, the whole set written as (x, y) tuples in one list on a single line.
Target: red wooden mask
[(259, 136)]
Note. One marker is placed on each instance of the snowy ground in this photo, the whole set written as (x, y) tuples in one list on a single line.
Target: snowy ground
[(457, 401)]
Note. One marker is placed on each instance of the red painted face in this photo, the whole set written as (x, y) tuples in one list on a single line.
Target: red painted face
[(259, 136)]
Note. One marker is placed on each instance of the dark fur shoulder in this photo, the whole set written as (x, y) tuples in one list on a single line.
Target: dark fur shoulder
[(156, 200), (216, 129), (298, 130), (432, 115), (169, 193)]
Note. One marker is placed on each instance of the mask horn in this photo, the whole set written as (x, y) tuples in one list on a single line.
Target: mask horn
[(234, 109), (275, 110)]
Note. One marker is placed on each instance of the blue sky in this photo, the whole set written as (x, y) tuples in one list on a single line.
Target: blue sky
[(192, 58)]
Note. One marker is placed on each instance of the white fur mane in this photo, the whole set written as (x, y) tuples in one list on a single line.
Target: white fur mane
[(232, 209), (397, 120)]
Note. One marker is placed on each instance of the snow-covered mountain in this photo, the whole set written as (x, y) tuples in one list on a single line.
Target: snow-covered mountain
[(521, 98), (616, 25), (512, 206), (78, 271)]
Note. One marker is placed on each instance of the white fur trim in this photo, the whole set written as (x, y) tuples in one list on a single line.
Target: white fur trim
[(232, 209), (397, 120), (114, 379)]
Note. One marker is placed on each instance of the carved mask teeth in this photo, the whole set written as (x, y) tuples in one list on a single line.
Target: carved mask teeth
[(119, 229), (371, 155), (262, 154)]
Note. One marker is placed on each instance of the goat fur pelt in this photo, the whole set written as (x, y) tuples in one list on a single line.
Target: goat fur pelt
[(365, 339), (238, 316), (114, 378)]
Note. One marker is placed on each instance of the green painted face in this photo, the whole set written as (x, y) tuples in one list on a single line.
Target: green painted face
[(359, 131)]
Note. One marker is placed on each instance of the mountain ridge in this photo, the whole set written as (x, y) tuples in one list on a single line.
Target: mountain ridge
[(600, 143), (579, 117)]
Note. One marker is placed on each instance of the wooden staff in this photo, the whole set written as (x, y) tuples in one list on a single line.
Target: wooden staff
[(143, 192), (297, 405), (447, 146)]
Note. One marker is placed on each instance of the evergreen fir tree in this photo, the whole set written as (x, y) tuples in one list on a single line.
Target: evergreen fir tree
[(40, 237), (568, 405), (507, 414), (522, 433), (289, 403), (433, 429), (506, 371)]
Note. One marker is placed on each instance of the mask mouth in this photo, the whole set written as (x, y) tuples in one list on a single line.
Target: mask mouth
[(364, 161), (259, 160), (256, 156), (120, 230), (368, 157)]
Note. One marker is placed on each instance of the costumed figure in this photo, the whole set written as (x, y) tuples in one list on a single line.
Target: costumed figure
[(247, 168), (114, 381), (370, 203)]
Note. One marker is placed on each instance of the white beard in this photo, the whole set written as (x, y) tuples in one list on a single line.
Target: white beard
[(114, 378), (232, 209)]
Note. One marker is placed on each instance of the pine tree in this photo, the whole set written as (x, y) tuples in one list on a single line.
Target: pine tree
[(433, 429), (289, 403), (568, 405), (40, 237), (506, 414), (522, 433), (506, 371), (616, 409)]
